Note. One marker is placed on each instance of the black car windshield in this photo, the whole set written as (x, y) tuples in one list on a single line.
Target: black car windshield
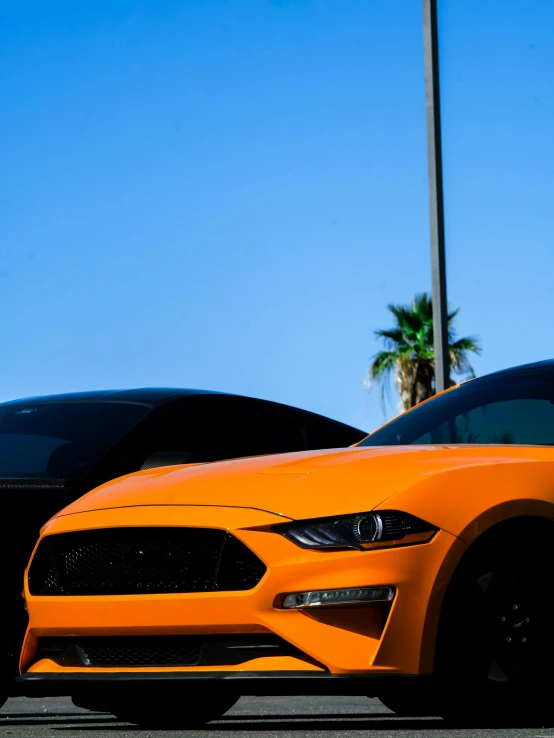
[(512, 408), (64, 439)]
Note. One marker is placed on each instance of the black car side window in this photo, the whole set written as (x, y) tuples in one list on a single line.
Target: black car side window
[(257, 430), (513, 421), (517, 409)]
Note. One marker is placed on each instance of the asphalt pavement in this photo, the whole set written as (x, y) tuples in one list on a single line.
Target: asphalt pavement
[(252, 717)]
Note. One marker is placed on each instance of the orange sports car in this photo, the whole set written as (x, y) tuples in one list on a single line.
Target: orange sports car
[(413, 567)]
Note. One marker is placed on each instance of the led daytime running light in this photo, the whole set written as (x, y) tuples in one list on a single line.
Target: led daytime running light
[(333, 597)]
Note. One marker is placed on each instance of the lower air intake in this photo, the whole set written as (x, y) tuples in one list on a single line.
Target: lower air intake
[(168, 651)]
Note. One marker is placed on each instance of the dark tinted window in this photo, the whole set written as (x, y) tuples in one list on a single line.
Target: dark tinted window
[(213, 428), (516, 407), (61, 439), (324, 433)]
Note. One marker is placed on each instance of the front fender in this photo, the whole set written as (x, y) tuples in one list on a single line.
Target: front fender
[(467, 501)]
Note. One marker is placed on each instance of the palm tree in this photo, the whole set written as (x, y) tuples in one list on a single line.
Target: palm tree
[(409, 352)]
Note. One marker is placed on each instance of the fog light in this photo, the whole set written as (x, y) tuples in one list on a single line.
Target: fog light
[(353, 596)]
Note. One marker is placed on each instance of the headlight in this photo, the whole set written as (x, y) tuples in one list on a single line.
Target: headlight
[(364, 531)]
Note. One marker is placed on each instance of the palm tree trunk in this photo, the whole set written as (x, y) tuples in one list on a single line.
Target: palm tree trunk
[(415, 384)]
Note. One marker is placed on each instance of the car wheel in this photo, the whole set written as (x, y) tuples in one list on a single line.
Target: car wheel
[(494, 644), (176, 711), (8, 672), (414, 702)]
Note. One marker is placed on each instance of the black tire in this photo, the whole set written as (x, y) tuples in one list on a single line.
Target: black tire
[(8, 672), (495, 642), (414, 702), (89, 702), (176, 711), (7, 678)]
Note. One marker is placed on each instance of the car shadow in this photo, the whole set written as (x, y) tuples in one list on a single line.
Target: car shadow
[(291, 724), (42, 718)]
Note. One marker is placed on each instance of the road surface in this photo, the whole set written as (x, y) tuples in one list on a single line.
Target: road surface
[(252, 717)]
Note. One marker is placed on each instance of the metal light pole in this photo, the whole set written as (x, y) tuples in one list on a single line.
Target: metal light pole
[(436, 202)]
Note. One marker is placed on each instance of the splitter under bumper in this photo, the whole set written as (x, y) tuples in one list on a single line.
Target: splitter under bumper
[(244, 683)]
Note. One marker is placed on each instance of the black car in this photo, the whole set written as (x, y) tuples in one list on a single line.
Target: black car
[(54, 449)]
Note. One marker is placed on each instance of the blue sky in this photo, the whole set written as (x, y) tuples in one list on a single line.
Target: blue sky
[(227, 194)]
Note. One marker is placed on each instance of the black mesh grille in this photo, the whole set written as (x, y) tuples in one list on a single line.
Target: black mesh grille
[(22, 483), (144, 651), (115, 561)]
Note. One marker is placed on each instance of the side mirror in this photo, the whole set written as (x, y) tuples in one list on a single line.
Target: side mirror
[(167, 458)]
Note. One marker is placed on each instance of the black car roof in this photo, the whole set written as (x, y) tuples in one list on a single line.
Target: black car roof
[(151, 396), (547, 364), (144, 395)]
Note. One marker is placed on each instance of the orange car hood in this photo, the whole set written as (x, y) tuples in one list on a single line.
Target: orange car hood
[(299, 485)]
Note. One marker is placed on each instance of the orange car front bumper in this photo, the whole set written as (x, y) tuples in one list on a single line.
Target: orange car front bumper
[(344, 640)]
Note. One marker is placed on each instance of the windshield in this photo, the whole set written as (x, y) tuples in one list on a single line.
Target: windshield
[(64, 440), (512, 408)]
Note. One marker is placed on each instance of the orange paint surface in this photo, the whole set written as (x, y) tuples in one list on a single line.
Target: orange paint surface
[(461, 490)]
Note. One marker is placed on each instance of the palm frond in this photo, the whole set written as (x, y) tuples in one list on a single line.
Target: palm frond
[(410, 354), (391, 337), (383, 363), (468, 343)]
